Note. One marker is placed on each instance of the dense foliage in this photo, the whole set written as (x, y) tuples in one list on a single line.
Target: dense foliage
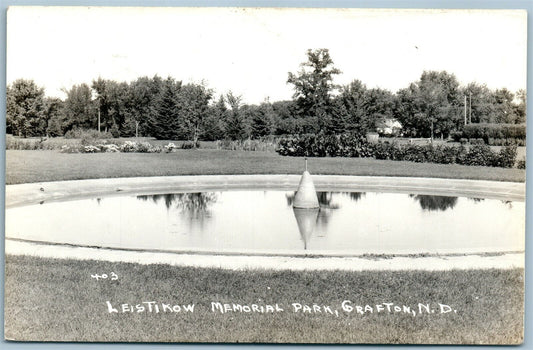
[(494, 133), (434, 106), (350, 145)]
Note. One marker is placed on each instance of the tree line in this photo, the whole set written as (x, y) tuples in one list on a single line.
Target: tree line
[(435, 105)]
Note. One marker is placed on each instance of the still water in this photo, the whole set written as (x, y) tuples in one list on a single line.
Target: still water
[(348, 223)]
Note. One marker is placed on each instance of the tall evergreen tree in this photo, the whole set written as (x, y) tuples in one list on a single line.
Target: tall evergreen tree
[(166, 123), (262, 121), (235, 124), (214, 123)]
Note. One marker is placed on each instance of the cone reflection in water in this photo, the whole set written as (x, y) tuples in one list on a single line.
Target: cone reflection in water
[(306, 197), (306, 219)]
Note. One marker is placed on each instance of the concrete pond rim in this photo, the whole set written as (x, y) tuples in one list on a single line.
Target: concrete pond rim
[(35, 193)]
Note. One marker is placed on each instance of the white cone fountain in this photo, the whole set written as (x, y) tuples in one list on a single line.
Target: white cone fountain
[(306, 197)]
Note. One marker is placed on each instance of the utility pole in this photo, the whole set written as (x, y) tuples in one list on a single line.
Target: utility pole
[(432, 130), (470, 112), (99, 107), (465, 109)]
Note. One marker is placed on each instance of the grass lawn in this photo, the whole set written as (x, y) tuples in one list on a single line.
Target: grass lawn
[(49, 165), (58, 300)]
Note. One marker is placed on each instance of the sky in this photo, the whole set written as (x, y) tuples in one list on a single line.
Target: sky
[(250, 51)]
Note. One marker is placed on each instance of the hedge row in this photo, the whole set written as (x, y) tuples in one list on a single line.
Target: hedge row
[(311, 145), (478, 154), (493, 131), (494, 142), (354, 146)]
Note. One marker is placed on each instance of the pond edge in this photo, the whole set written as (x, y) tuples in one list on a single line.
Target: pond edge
[(34, 193)]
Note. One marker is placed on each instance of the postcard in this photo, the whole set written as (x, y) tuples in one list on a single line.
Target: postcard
[(265, 175)]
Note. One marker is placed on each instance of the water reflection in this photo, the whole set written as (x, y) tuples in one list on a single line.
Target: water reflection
[(306, 220), (191, 205), (355, 196), (326, 199), (476, 200), (508, 204), (317, 220), (435, 203)]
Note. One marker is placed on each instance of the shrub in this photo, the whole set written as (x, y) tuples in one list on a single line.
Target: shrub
[(170, 147), (457, 136), (488, 131), (443, 154), (143, 147), (37, 143), (264, 144), (521, 164), (352, 146), (71, 149), (345, 145), (114, 131), (21, 144), (506, 158), (90, 149), (189, 145), (87, 134), (155, 149), (110, 148), (479, 154), (128, 146)]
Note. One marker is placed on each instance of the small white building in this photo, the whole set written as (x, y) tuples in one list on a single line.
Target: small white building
[(389, 127)]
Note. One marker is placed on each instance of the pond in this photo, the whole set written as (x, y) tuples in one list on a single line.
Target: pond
[(264, 222)]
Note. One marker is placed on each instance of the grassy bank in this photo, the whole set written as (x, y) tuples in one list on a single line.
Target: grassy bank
[(37, 166), (58, 300)]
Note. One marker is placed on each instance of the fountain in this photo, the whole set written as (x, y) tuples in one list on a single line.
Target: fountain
[(306, 197)]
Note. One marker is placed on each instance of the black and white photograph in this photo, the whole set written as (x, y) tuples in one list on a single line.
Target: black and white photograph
[(265, 175)]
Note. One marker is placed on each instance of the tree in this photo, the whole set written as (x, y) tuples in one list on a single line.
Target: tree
[(286, 119), (504, 111), (214, 123), (25, 109), (80, 111), (520, 107), (141, 102), (479, 103), (166, 123), (379, 105), (407, 112), (145, 94), (112, 102), (53, 115), (262, 122), (235, 124), (102, 102), (352, 107), (193, 102), (313, 86), (431, 106)]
